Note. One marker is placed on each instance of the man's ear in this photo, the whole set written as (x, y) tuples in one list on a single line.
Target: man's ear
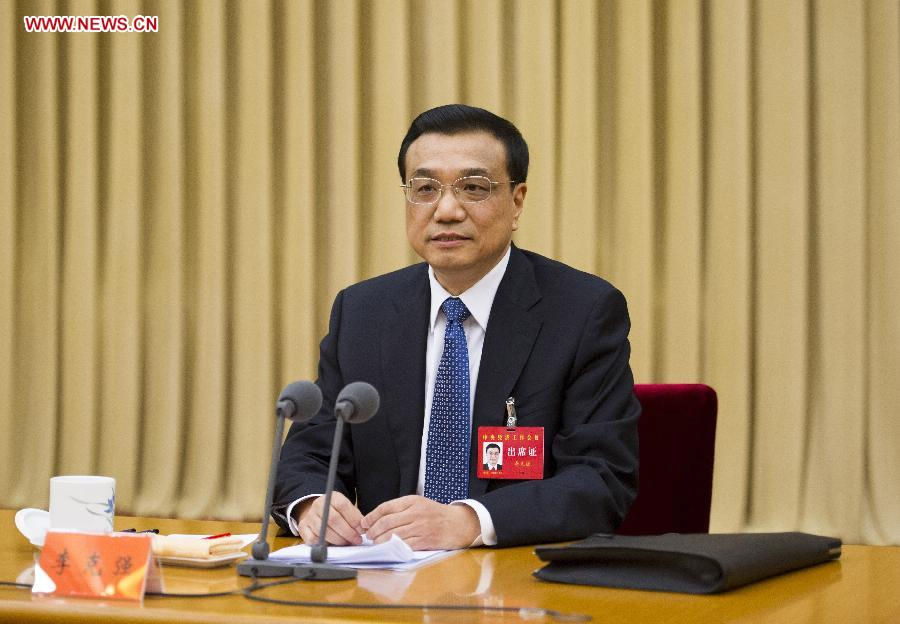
[(518, 198)]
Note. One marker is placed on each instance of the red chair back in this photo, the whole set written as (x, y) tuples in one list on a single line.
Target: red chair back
[(677, 436)]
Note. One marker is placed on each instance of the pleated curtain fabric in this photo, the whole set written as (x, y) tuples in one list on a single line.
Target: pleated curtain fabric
[(179, 208)]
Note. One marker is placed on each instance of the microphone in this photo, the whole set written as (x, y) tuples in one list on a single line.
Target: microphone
[(355, 404), (299, 397), (299, 402)]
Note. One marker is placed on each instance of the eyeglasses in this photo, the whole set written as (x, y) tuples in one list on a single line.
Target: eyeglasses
[(468, 189)]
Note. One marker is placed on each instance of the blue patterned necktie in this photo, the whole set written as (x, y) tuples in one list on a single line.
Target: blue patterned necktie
[(447, 450)]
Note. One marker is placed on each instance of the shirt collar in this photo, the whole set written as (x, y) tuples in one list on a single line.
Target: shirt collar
[(478, 298)]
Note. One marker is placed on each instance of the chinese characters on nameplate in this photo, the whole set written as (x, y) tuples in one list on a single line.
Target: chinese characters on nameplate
[(115, 566)]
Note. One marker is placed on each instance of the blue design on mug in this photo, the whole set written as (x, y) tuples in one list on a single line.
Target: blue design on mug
[(100, 508)]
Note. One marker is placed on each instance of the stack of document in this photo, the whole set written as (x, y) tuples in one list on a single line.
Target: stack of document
[(395, 554)]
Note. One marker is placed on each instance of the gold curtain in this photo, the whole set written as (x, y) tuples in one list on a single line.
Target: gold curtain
[(178, 210)]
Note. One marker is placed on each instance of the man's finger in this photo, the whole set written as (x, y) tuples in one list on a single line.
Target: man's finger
[(373, 516), (306, 520), (307, 535), (406, 532), (336, 539), (390, 507), (390, 523), (343, 520), (347, 510), (339, 526), (416, 542)]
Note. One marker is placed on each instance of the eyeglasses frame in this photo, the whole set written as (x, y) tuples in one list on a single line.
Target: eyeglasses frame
[(452, 185)]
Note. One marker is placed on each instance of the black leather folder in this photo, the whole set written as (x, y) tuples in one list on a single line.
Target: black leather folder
[(687, 563)]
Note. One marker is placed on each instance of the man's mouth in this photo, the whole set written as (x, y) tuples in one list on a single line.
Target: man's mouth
[(448, 237)]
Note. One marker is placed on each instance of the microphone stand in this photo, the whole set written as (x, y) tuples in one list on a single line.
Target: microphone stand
[(319, 570), (320, 550), (261, 565), (356, 403)]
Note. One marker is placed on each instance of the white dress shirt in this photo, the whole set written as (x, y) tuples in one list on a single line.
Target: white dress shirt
[(479, 299)]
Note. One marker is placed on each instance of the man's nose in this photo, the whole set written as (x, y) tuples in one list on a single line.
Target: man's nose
[(448, 207)]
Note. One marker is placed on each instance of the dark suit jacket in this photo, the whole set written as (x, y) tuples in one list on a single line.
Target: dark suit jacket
[(556, 341)]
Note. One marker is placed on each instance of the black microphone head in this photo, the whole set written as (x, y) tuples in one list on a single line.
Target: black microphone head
[(362, 399), (304, 397)]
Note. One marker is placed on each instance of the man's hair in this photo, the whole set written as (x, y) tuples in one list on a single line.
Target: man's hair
[(459, 118), (488, 447)]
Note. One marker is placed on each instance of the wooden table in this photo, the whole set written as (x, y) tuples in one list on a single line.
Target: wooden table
[(863, 586)]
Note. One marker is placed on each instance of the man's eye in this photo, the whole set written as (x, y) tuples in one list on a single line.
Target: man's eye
[(475, 186), (424, 187)]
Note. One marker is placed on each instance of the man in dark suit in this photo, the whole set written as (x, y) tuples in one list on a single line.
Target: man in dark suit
[(446, 343), (492, 457)]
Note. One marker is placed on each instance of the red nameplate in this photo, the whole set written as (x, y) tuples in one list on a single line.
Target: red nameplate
[(89, 565), (510, 453)]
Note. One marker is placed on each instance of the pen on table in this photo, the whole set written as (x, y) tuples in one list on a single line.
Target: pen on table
[(219, 535), (136, 531)]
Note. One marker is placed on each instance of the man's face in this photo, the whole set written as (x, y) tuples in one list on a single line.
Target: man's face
[(493, 456), (462, 242)]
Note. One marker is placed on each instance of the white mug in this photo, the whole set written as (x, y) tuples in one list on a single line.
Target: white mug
[(82, 503)]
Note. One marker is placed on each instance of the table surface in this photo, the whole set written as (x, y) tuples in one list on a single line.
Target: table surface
[(863, 586)]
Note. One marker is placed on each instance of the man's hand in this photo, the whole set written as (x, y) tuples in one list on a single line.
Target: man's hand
[(423, 523), (343, 521)]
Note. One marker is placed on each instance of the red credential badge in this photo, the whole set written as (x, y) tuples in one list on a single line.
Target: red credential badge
[(511, 453)]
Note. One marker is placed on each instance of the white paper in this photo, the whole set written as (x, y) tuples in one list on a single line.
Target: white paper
[(420, 558), (395, 554)]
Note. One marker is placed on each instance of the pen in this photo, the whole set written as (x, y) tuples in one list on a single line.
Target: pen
[(219, 535), (136, 531)]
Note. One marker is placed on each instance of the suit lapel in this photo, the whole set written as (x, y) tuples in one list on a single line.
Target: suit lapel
[(403, 341), (512, 329)]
